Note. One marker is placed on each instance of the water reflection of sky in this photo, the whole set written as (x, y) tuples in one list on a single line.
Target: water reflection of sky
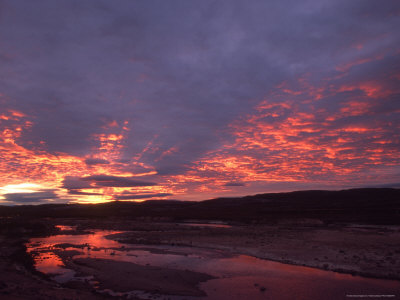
[(238, 277), (66, 227)]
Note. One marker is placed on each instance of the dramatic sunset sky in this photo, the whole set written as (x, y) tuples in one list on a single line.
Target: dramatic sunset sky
[(133, 100)]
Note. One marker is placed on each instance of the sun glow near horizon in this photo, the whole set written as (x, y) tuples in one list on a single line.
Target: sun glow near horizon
[(21, 188)]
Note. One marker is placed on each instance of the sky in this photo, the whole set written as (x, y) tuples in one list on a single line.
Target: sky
[(191, 100)]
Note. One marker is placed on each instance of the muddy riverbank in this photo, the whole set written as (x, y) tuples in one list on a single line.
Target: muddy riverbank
[(19, 280), (371, 251)]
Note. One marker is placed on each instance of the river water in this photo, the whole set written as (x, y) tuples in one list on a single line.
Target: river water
[(238, 277)]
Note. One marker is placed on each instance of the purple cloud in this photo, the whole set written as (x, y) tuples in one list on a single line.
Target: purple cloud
[(174, 91)]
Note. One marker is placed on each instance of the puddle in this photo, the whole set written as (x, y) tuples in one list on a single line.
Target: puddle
[(238, 277), (66, 227)]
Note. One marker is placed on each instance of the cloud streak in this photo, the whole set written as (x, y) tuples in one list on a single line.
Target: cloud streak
[(115, 181), (141, 196), (40, 197)]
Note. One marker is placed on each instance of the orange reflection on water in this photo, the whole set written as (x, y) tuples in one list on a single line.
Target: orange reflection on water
[(48, 263)]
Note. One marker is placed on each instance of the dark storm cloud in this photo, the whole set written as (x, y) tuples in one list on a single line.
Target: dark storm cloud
[(178, 71), (96, 161), (235, 184), (75, 185), (140, 196), (77, 192), (44, 196), (115, 181)]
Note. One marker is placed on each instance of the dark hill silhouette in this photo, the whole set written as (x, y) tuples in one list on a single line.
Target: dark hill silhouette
[(369, 205)]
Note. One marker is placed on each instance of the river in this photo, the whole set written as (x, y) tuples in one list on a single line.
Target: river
[(237, 276)]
